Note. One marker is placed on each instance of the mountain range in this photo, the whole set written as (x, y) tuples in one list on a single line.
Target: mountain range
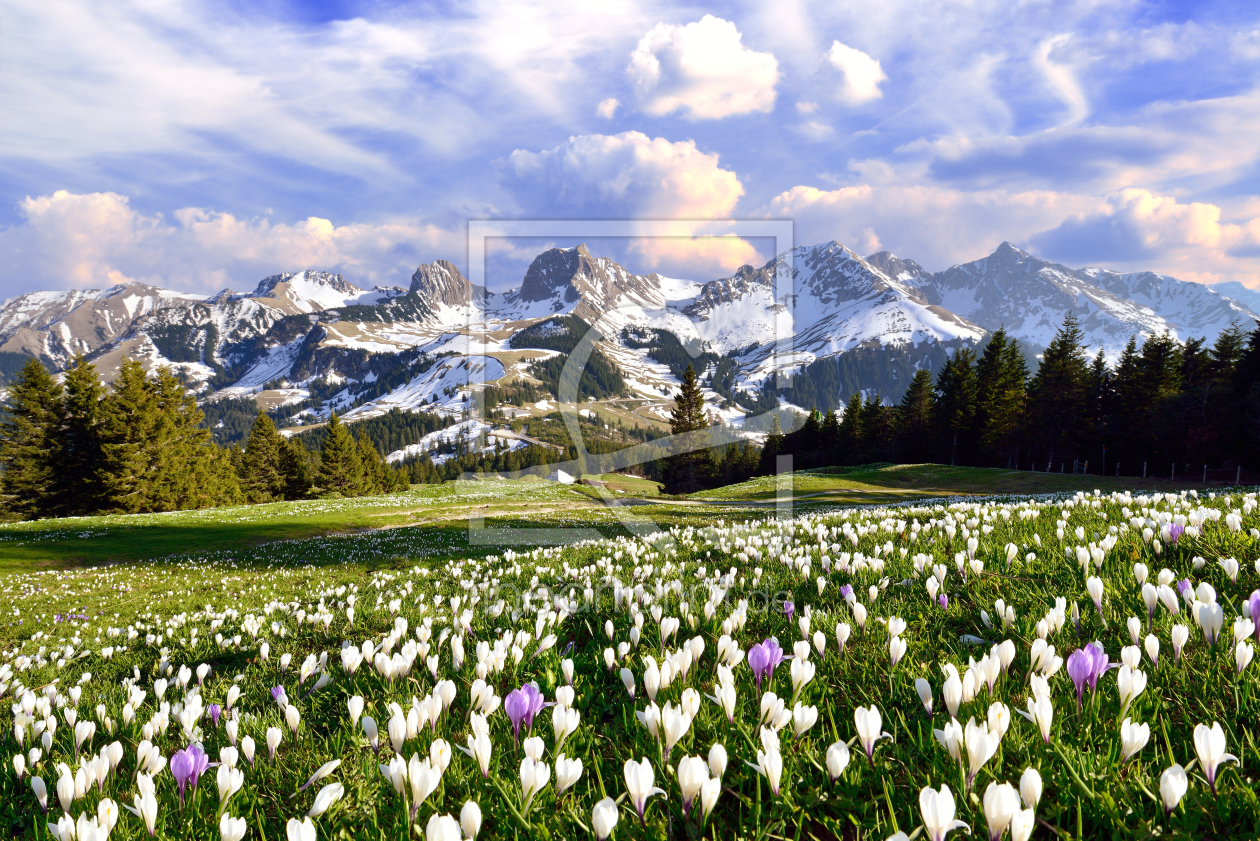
[(317, 338)]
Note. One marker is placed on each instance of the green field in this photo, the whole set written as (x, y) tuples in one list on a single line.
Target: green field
[(294, 614)]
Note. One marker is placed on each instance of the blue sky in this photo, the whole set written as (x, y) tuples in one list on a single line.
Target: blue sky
[(199, 146)]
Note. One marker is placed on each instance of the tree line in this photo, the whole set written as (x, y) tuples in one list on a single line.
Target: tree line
[(1162, 405), (74, 447)]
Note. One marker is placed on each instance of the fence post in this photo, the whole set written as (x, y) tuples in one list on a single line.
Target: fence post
[(1205, 474), (1238, 476), (1143, 470), (1174, 472), (1117, 469)]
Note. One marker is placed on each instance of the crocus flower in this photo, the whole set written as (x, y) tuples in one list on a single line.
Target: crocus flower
[(763, 658), (187, 766), (1174, 533), (1172, 787), (516, 705), (788, 609), (943, 601), (846, 592), (214, 711), (1253, 608), (938, 808), (639, 783), (1209, 744), (869, 725), (604, 818), (1080, 666)]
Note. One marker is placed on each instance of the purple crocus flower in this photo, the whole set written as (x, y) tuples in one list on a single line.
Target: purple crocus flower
[(214, 711), (1080, 666), (1174, 533), (521, 705), (943, 601), (763, 658), (1183, 585), (1254, 604), (1098, 662), (846, 590), (516, 705), (187, 766), (276, 692), (788, 610)]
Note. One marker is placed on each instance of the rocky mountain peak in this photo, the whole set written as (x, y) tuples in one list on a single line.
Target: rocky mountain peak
[(441, 282), (554, 271)]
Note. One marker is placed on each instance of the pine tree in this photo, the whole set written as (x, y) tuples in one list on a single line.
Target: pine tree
[(130, 421), (340, 471), (79, 487), (851, 433), (955, 403), (690, 471), (30, 446), (914, 419), (768, 462), (1057, 394), (262, 468), (295, 467), (1001, 378), (373, 478)]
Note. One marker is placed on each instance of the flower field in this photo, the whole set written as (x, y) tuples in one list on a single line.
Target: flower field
[(1076, 667)]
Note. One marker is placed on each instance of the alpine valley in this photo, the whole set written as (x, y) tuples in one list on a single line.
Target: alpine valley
[(304, 344)]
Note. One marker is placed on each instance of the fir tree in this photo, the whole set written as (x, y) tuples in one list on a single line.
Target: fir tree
[(1001, 378), (1057, 394), (340, 471), (914, 419), (849, 440), (262, 467), (955, 403), (690, 471), (30, 445), (130, 421), (768, 462), (373, 476), (296, 468), (80, 490)]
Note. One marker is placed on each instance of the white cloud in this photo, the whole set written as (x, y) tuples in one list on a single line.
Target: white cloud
[(703, 70), (1061, 78), (1137, 228), (621, 176), (607, 108), (938, 227), (99, 239), (852, 75)]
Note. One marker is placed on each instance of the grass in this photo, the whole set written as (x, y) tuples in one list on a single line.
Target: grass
[(884, 483), (725, 574)]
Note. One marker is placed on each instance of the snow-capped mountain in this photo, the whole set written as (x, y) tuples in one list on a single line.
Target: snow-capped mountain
[(427, 344), (1029, 297)]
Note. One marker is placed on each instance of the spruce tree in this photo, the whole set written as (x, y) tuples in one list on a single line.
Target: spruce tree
[(955, 403), (30, 445), (373, 478), (340, 471), (850, 436), (690, 471), (130, 421), (1057, 394), (79, 474), (768, 461), (262, 467), (295, 467), (1001, 378), (914, 419)]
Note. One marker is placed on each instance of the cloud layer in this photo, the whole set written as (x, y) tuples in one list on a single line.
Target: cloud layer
[(702, 70), (201, 146)]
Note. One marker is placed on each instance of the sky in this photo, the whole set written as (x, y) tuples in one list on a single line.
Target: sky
[(200, 146)]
